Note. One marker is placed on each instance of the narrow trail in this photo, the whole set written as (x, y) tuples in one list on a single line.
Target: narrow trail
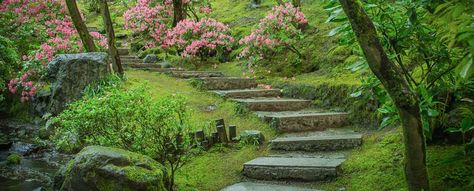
[(312, 145)]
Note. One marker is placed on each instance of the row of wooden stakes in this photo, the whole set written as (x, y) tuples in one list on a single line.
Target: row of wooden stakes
[(219, 136)]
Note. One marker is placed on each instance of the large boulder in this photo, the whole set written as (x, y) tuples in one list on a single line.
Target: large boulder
[(71, 73), (150, 59), (98, 168)]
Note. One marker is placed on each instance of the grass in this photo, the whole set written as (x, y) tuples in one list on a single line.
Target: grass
[(222, 165), (378, 165)]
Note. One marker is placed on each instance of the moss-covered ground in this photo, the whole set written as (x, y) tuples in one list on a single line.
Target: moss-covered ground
[(377, 165), (221, 165)]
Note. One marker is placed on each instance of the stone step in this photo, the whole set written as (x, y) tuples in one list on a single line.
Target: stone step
[(257, 186), (301, 169), (131, 60), (123, 51), (225, 83), (138, 65), (297, 121), (129, 57), (196, 74), (274, 104), (249, 93), (160, 70), (317, 143)]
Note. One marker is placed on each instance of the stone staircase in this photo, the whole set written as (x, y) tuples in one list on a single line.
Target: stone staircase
[(132, 61), (313, 143)]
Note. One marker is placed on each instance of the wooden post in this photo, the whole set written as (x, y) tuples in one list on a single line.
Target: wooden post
[(220, 122), (199, 136), (215, 137), (232, 132), (222, 133)]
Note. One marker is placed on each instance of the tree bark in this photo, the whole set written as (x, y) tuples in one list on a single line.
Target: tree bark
[(81, 28), (179, 11), (399, 90), (296, 3), (109, 28)]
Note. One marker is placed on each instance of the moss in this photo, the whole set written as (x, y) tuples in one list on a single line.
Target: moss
[(14, 159), (378, 165)]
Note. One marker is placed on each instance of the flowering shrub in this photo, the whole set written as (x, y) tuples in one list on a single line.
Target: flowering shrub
[(57, 33), (279, 30), (203, 38), (150, 22)]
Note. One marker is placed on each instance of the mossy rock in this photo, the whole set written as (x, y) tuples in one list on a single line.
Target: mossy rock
[(104, 168), (14, 159)]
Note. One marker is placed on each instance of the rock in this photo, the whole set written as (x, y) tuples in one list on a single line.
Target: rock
[(150, 58), (252, 137), (165, 65), (70, 74), (105, 168), (14, 159), (47, 130), (39, 103), (24, 149)]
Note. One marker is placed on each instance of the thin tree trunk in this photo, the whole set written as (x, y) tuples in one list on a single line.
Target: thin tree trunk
[(399, 90), (296, 3), (81, 28), (109, 28), (179, 11)]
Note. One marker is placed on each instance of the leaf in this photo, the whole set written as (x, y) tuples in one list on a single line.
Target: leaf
[(453, 130), (433, 112), (465, 69), (387, 121), (356, 94), (465, 123)]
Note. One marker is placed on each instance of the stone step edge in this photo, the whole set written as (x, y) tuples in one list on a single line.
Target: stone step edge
[(316, 114), (297, 165), (317, 138)]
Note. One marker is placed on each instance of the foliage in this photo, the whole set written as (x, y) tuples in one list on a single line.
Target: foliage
[(8, 63), (151, 23), (279, 30), (130, 120), (378, 165), (206, 37), (418, 46)]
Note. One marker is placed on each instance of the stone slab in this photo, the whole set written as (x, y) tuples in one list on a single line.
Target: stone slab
[(123, 51), (292, 168), (226, 83), (254, 186), (274, 104), (138, 65), (317, 143), (196, 74), (304, 121), (248, 93)]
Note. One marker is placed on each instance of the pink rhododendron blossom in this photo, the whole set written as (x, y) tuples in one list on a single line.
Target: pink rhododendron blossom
[(201, 38), (56, 32), (280, 28)]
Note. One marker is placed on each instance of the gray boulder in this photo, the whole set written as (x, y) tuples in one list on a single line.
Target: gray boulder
[(70, 74), (252, 137), (104, 168), (150, 58)]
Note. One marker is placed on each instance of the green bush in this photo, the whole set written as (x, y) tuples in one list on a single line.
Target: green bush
[(129, 119), (8, 64)]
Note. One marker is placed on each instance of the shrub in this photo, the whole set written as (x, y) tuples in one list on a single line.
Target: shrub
[(8, 63), (204, 38), (132, 120), (279, 30)]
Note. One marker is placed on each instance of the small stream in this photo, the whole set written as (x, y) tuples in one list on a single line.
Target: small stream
[(38, 165)]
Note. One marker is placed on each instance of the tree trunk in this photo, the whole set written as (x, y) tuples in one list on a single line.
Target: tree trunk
[(179, 12), (109, 28), (296, 3), (398, 88), (81, 28)]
